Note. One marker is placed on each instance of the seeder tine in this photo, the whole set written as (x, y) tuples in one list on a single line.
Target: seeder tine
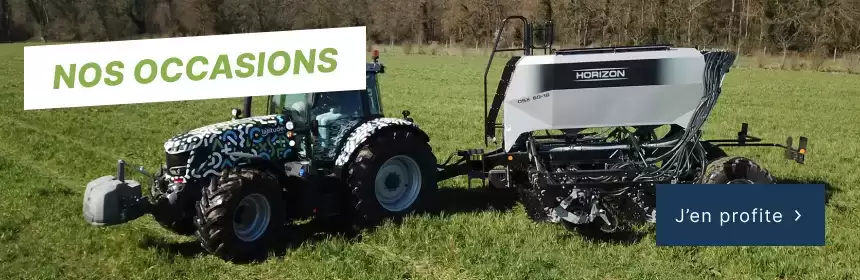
[(789, 149)]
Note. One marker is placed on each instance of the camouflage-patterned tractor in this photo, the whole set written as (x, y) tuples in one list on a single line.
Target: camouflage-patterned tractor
[(236, 184)]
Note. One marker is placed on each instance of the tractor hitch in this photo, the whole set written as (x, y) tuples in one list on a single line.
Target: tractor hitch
[(111, 200), (745, 140)]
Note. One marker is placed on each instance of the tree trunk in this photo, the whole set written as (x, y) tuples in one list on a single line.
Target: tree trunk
[(731, 23), (742, 22), (7, 24), (689, 28), (762, 29), (834, 54)]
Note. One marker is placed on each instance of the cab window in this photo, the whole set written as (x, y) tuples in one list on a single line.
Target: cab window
[(373, 95)]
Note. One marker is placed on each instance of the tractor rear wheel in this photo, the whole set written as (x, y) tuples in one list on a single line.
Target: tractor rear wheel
[(393, 174), (736, 170), (241, 217)]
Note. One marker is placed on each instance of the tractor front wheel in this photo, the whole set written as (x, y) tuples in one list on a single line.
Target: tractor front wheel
[(241, 217)]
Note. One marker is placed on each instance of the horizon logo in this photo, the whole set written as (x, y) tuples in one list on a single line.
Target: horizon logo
[(601, 74)]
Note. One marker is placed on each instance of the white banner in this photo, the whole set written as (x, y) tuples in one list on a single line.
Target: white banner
[(194, 68)]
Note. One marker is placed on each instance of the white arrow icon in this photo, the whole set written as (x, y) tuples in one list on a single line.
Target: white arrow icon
[(798, 216)]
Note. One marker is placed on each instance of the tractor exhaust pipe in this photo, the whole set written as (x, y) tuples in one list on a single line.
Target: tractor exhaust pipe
[(120, 171), (246, 108)]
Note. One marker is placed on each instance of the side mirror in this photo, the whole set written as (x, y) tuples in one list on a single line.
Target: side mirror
[(236, 113), (406, 114)]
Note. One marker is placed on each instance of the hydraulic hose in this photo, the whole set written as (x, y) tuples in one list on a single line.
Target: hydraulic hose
[(717, 64)]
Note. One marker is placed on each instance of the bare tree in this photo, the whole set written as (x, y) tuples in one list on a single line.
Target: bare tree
[(691, 16), (812, 27), (787, 25), (39, 9)]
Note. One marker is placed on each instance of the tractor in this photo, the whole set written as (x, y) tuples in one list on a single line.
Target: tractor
[(236, 184), (586, 136)]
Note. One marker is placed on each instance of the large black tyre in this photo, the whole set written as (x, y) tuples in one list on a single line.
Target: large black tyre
[(380, 166), (240, 190), (177, 218), (736, 170)]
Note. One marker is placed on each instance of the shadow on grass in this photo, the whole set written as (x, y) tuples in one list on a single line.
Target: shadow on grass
[(171, 248), (479, 199), (448, 201), (622, 238), (295, 236), (829, 190)]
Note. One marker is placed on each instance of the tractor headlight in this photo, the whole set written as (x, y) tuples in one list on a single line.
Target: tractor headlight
[(289, 125), (292, 143)]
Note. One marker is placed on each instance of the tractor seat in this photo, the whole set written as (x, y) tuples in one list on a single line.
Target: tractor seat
[(325, 123)]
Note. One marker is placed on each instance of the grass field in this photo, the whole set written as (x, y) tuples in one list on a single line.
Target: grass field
[(46, 158)]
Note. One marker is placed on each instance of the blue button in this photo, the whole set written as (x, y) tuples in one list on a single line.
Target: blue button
[(741, 215)]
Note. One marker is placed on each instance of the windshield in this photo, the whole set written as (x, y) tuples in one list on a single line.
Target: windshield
[(334, 112), (345, 103), (293, 105)]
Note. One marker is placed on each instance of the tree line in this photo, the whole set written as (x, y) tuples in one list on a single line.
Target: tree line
[(824, 27)]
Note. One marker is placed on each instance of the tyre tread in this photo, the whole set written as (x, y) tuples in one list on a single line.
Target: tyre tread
[(213, 216), (362, 211)]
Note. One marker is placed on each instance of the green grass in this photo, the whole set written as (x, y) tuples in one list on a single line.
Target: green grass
[(47, 156)]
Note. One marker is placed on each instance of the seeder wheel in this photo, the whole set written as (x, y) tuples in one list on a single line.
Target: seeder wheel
[(736, 170)]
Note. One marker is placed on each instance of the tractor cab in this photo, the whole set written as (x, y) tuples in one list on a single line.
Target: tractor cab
[(327, 115)]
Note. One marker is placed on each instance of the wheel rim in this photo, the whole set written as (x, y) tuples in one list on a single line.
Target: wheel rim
[(398, 183), (741, 181), (251, 217)]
